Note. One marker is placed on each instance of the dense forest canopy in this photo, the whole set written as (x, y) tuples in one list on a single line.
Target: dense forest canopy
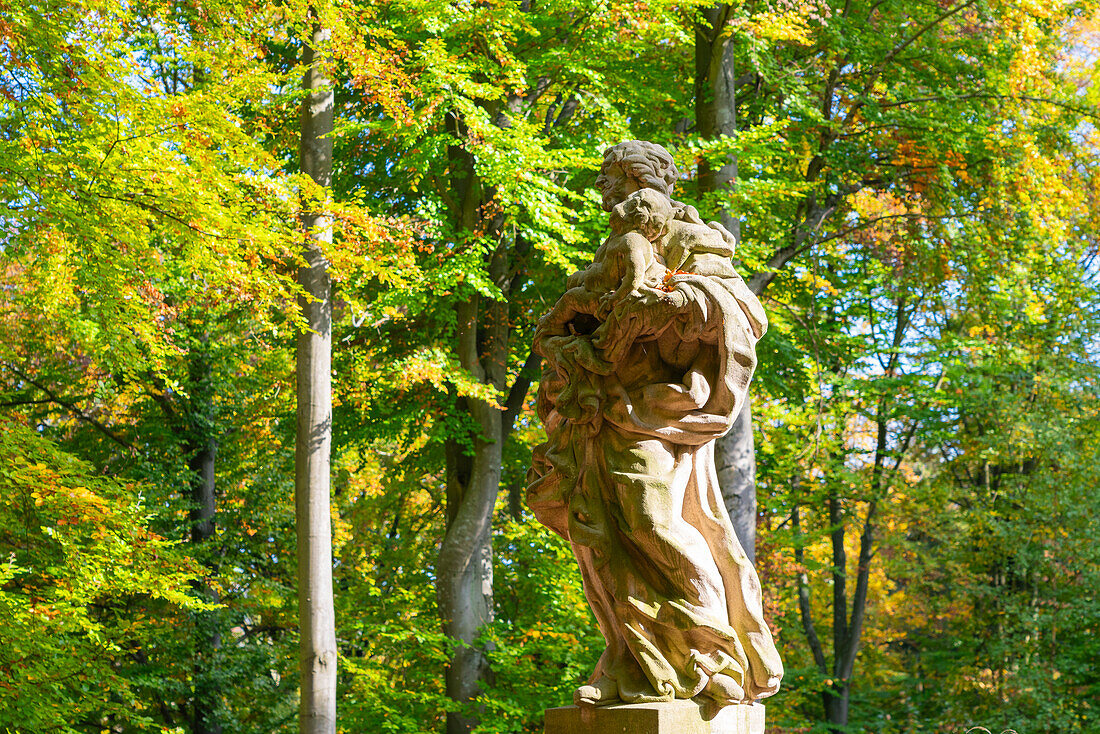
[(916, 197)]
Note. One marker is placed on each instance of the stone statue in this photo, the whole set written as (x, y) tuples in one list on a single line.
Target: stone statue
[(648, 357)]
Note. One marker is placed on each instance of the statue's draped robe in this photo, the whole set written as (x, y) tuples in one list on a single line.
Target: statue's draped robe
[(628, 478)]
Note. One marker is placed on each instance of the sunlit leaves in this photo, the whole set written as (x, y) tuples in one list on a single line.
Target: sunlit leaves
[(79, 551)]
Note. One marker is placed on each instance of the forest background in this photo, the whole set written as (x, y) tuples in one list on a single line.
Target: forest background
[(914, 188)]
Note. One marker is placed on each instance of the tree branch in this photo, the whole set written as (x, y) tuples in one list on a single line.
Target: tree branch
[(75, 411), (841, 632), (804, 593), (802, 239), (924, 29), (987, 95), (518, 392), (157, 210)]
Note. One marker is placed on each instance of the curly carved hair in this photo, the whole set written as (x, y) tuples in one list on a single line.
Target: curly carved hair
[(647, 163), (645, 211)]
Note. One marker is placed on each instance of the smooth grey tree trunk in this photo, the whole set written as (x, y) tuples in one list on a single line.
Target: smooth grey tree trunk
[(313, 356), (464, 585), (464, 569), (716, 115), (735, 458), (715, 103)]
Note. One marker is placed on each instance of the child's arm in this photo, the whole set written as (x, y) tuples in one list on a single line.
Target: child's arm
[(573, 302), (636, 254), (578, 278)]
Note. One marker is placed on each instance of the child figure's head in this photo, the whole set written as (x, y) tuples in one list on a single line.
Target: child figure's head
[(645, 211)]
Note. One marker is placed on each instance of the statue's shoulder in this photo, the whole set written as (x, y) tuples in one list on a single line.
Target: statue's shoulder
[(699, 237), (686, 213)]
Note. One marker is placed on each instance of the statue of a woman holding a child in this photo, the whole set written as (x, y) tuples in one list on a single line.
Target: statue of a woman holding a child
[(648, 360)]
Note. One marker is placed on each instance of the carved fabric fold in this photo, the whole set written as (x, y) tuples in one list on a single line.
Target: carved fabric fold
[(627, 475)]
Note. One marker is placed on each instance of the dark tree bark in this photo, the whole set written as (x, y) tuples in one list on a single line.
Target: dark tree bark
[(192, 420), (850, 607), (317, 660), (201, 444)]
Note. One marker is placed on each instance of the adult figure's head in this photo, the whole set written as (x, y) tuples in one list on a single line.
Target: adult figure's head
[(634, 165)]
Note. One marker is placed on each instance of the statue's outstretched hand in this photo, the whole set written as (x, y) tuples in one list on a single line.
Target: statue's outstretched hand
[(645, 313), (655, 305), (727, 236)]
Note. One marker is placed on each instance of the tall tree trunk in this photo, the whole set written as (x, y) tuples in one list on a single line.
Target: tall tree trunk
[(200, 441), (716, 115), (192, 420), (464, 569), (715, 102), (317, 658), (202, 446), (465, 566), (835, 699), (735, 458)]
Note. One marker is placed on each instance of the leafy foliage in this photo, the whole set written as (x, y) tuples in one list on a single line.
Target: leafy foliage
[(81, 553), (917, 202)]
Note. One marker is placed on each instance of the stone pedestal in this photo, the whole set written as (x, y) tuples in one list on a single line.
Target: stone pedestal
[(673, 717)]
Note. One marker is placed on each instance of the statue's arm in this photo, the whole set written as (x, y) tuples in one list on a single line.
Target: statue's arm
[(578, 278), (690, 215), (556, 323), (635, 256), (654, 310)]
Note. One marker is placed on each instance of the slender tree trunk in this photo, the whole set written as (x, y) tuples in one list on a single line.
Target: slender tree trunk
[(835, 699), (192, 420), (317, 660), (201, 443), (208, 638), (716, 115)]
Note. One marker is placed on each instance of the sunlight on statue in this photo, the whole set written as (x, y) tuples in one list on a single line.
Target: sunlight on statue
[(648, 357)]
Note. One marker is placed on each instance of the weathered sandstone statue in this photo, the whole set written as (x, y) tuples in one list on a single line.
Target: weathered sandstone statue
[(648, 359)]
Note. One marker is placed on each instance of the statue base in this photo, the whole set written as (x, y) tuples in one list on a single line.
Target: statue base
[(672, 717)]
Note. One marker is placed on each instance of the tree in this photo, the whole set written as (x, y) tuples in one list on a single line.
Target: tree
[(496, 111), (317, 713), (912, 191), (128, 301), (716, 117), (863, 174), (80, 555)]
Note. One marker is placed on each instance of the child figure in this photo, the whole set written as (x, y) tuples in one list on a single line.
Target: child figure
[(629, 266), (628, 262)]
